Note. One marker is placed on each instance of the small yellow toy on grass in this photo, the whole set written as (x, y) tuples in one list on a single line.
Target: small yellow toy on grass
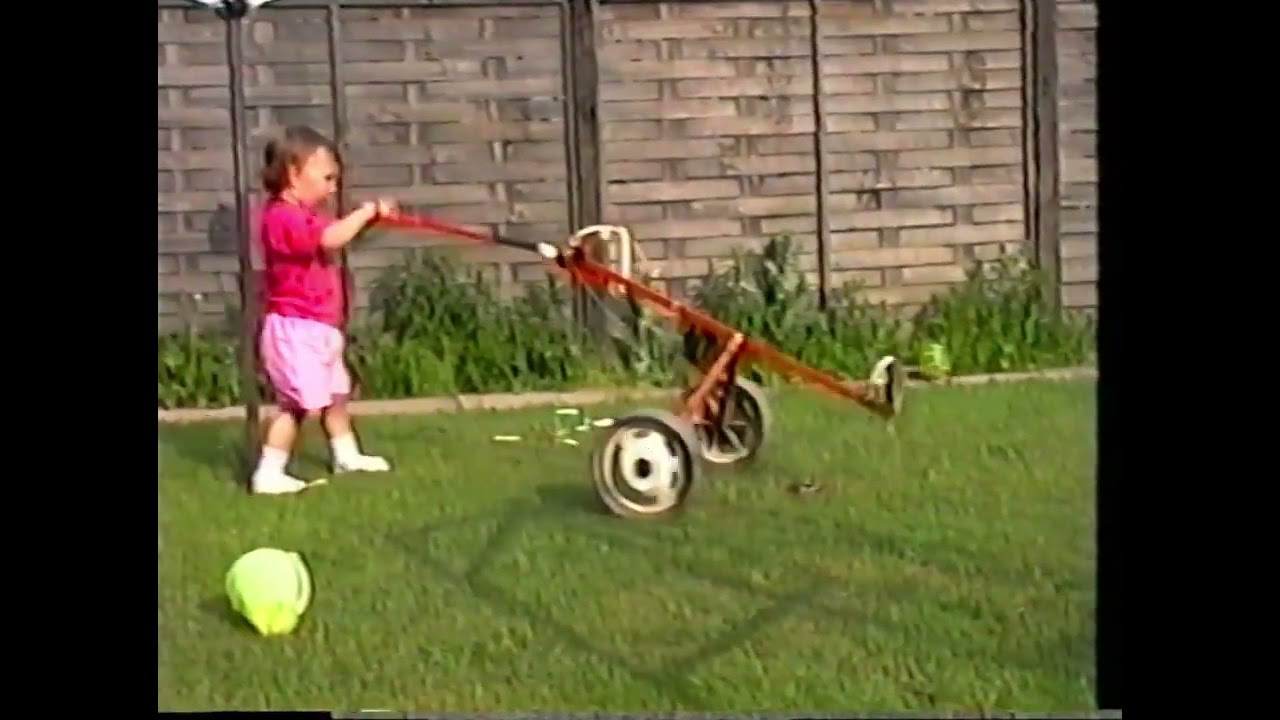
[(271, 588), (935, 362)]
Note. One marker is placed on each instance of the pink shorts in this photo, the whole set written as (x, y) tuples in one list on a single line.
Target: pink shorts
[(303, 361)]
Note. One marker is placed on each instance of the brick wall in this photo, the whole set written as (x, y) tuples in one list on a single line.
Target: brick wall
[(197, 256), (707, 126), (924, 116), (707, 122), (458, 111), (1078, 143)]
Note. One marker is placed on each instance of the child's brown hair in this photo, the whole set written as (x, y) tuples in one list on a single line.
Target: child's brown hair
[(290, 150)]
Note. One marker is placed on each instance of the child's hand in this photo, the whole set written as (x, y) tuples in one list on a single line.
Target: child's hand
[(387, 208), (380, 208)]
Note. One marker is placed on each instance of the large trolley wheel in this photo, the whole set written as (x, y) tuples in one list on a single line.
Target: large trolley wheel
[(646, 464), (740, 434)]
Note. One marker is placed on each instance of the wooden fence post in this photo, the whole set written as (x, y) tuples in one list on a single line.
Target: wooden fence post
[(338, 107), (583, 131), (821, 169), (1040, 133), (233, 15), (586, 89)]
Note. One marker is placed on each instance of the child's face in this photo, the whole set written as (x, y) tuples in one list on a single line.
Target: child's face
[(316, 179)]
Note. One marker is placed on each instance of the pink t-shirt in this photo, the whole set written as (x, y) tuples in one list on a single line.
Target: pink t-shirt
[(301, 277)]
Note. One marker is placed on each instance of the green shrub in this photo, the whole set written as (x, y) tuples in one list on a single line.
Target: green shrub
[(767, 296), (197, 371), (436, 327), (1001, 319), (439, 328)]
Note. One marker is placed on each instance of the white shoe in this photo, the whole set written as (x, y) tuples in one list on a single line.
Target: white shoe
[(362, 463), (274, 483)]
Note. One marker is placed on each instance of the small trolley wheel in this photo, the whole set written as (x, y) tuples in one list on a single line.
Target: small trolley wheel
[(743, 431), (645, 465), (888, 382)]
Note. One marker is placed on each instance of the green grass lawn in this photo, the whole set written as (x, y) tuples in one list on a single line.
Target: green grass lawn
[(947, 565)]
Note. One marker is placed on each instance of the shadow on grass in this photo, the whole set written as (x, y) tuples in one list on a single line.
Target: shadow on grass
[(220, 451), (224, 453), (570, 498), (218, 608), (576, 505)]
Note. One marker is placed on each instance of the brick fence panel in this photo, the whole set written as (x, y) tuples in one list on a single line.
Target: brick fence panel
[(923, 104), (706, 113), (1078, 138), (194, 171), (458, 112), (707, 127), (286, 78)]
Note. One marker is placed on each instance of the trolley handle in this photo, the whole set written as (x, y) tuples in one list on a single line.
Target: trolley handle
[(444, 227)]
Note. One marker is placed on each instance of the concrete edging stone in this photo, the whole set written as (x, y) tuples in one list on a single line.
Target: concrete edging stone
[(516, 401)]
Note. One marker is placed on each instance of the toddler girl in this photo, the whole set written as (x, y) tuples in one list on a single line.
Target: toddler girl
[(302, 338)]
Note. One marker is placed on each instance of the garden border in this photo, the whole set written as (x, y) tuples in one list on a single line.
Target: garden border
[(516, 401)]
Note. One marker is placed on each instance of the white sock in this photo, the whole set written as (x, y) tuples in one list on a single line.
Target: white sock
[(273, 460), (270, 478), (344, 448)]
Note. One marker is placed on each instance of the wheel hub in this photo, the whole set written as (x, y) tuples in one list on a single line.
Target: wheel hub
[(645, 463)]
